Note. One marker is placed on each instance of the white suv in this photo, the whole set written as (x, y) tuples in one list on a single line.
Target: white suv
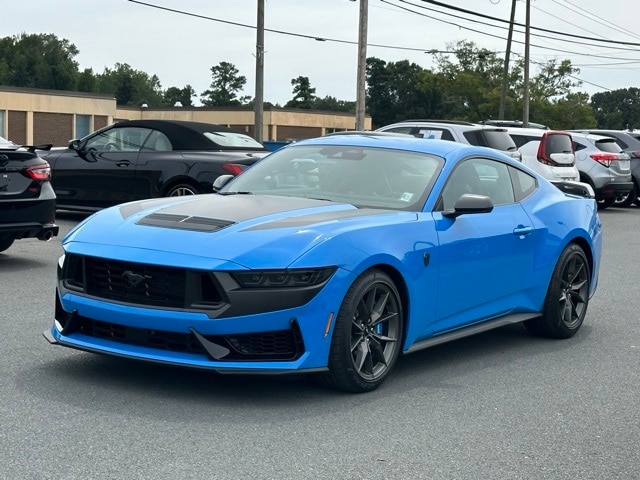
[(548, 152), (455, 131)]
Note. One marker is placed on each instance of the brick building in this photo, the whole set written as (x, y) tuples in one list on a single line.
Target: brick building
[(33, 116)]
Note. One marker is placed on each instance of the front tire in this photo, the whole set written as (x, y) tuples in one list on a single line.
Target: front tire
[(182, 190), (367, 335), (567, 297)]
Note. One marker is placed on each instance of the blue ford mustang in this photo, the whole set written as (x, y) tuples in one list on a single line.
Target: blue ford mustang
[(332, 256)]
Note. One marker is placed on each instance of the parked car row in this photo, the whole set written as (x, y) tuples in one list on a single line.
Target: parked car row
[(609, 161)]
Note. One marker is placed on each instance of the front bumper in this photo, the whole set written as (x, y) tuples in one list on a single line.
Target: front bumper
[(284, 341)]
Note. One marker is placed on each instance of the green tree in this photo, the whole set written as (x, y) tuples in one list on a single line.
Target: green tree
[(303, 94), (332, 104), (38, 61), (617, 109), (224, 88), (401, 90), (183, 95), (131, 87), (472, 81)]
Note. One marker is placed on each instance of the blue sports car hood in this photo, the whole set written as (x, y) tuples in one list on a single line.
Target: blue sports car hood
[(218, 231)]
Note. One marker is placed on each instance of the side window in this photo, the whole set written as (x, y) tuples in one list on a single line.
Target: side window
[(435, 133), (127, 139), (157, 142), (480, 176), (406, 129), (578, 146), (523, 183)]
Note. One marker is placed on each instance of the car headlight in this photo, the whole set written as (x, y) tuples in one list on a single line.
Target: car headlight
[(303, 277)]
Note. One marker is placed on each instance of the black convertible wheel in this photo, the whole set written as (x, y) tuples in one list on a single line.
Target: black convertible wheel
[(567, 296), (367, 335), (182, 190)]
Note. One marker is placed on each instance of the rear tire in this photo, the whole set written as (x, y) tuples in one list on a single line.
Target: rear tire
[(367, 335), (606, 203), (629, 199), (567, 298), (5, 243)]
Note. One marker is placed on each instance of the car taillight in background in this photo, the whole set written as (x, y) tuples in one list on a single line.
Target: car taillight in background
[(634, 154), (605, 158), (40, 172), (233, 168)]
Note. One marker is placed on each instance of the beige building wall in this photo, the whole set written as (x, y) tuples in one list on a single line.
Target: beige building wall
[(33, 116)]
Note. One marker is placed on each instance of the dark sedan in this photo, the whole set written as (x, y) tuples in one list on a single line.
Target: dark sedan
[(27, 201), (140, 159)]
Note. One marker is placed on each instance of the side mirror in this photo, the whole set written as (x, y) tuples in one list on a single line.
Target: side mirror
[(221, 181), (74, 145), (470, 203)]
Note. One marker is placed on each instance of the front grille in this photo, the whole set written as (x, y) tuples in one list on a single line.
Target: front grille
[(135, 283), (275, 345)]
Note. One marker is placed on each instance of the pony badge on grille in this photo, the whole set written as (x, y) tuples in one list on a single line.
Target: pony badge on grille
[(134, 279)]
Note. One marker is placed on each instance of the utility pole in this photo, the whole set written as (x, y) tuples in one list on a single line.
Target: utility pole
[(258, 101), (505, 75), (362, 65), (525, 108)]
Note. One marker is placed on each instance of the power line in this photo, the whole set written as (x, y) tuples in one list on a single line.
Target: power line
[(489, 17)]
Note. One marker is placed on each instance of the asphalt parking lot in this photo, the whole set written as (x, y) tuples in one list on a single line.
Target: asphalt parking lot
[(501, 405)]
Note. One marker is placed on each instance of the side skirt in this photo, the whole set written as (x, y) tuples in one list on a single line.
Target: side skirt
[(472, 330)]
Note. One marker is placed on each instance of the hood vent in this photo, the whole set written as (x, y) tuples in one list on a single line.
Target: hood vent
[(184, 222)]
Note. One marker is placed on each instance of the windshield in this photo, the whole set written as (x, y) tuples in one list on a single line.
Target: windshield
[(233, 139), (362, 176)]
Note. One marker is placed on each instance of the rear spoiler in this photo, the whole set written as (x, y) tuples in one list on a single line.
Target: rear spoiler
[(33, 148), (579, 189)]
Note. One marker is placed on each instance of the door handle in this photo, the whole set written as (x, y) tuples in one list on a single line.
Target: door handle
[(521, 231), (123, 163)]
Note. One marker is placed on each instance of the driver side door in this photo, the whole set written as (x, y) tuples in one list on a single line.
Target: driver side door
[(100, 173)]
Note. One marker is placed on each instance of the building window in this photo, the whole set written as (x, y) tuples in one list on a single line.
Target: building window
[(3, 132), (83, 125)]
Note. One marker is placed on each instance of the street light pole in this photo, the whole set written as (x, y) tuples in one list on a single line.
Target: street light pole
[(505, 75), (259, 97), (525, 108), (362, 65)]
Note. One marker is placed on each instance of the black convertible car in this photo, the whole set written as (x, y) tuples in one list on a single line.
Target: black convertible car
[(139, 159)]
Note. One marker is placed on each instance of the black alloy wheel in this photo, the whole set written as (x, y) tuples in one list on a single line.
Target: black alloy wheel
[(367, 335), (567, 297)]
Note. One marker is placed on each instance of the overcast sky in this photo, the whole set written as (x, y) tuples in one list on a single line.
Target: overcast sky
[(181, 49)]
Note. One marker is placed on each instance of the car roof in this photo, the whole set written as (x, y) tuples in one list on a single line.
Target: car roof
[(185, 135)]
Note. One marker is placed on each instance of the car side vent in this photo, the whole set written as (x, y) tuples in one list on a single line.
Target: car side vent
[(184, 222)]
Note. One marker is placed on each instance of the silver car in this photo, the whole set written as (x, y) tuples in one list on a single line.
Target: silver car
[(602, 164)]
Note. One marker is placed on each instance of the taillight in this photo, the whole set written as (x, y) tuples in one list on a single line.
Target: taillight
[(40, 172), (232, 168), (634, 154), (604, 158)]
